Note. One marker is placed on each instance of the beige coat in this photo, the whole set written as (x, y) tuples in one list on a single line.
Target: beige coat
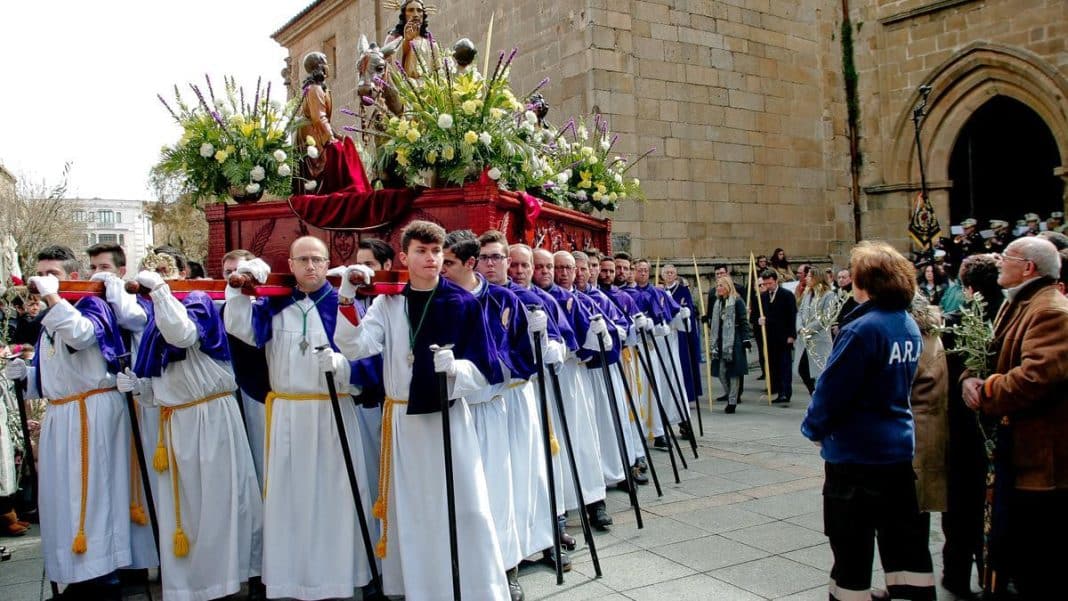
[(930, 398)]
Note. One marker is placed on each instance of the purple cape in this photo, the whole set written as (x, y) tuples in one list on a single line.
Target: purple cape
[(155, 353)]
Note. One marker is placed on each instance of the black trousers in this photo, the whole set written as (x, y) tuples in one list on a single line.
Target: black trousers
[(804, 371), (1038, 542), (865, 504), (962, 522)]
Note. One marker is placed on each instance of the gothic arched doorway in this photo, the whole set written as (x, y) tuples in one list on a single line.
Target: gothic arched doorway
[(1002, 165)]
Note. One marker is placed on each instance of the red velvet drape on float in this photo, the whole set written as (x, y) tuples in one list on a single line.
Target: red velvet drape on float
[(348, 209), (343, 169)]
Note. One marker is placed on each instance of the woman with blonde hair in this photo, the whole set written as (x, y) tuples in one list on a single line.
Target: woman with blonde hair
[(817, 313), (729, 329)]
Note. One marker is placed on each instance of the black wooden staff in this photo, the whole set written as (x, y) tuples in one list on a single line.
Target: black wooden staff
[(544, 407), (647, 366), (343, 436), (669, 376), (587, 533), (450, 486), (641, 432), (632, 488), (142, 463)]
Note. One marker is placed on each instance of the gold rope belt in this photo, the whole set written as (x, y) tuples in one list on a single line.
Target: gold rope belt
[(385, 474), (137, 508), (165, 450), (80, 545), (269, 408)]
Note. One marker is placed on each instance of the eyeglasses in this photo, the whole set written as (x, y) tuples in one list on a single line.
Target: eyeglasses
[(1000, 258), (316, 261), (491, 258), (564, 268)]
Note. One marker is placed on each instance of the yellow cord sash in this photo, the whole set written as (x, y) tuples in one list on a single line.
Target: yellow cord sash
[(269, 409), (164, 458), (80, 545), (385, 473)]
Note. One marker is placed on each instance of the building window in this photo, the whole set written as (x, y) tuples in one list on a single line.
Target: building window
[(107, 216), (79, 216), (330, 50), (118, 217), (108, 238)]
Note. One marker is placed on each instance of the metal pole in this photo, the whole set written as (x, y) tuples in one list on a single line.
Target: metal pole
[(350, 469), (450, 487), (641, 434)]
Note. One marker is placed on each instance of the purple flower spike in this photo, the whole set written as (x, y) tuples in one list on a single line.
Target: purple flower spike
[(349, 128), (381, 82), (367, 100), (348, 111), (430, 37), (218, 119), (515, 50)]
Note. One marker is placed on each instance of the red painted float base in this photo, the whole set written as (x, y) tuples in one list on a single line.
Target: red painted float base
[(267, 228)]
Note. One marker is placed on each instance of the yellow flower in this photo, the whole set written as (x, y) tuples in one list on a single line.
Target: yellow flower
[(585, 180), (412, 135), (448, 153), (247, 129), (402, 157), (469, 106), (309, 141), (432, 157), (496, 113), (221, 155), (587, 151), (601, 188), (402, 127), (470, 137), (230, 149)]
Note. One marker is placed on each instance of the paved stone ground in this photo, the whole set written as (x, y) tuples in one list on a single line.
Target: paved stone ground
[(744, 524)]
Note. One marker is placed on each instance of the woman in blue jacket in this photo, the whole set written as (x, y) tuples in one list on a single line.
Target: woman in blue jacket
[(861, 418)]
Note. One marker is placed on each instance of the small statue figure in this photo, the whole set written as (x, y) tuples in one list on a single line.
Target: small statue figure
[(464, 52), (316, 109), (410, 35)]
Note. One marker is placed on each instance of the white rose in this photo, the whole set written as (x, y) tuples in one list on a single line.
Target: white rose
[(485, 138), (310, 185), (530, 117), (494, 174), (252, 188), (207, 150), (313, 152), (581, 194), (279, 155), (284, 170), (445, 121), (619, 178), (605, 145), (527, 127), (257, 174), (561, 178)]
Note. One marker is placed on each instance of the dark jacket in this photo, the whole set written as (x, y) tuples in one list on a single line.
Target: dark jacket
[(860, 411), (781, 317)]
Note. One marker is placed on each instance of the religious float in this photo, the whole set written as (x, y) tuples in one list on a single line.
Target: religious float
[(433, 138)]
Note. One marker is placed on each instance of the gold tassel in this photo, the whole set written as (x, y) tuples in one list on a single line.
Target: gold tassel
[(80, 545), (181, 543), (379, 509), (380, 548), (137, 514), (159, 458), (554, 445)]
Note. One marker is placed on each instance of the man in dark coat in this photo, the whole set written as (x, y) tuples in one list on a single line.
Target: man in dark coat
[(780, 319)]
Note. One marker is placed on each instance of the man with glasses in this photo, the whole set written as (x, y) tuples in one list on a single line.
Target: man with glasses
[(1028, 389), (311, 542)]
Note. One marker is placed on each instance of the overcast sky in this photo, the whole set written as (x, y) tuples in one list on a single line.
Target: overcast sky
[(82, 80)]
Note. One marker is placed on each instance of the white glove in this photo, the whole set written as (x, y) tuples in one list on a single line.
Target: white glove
[(150, 279), (639, 321), (598, 327), (126, 381), (363, 275), (537, 321), (555, 352), (336, 272), (329, 360), (684, 313), (45, 284), (15, 369), (661, 330), (257, 268), (445, 362), (114, 286)]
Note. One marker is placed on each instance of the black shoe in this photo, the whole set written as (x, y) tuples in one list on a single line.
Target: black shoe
[(642, 464), (729, 408), (567, 541), (762, 377), (661, 443), (599, 517), (639, 478), (781, 400), (549, 559), (685, 432), (720, 399), (257, 591), (960, 590), (514, 589)]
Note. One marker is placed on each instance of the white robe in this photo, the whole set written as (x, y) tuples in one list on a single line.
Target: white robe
[(312, 547), (107, 519), (611, 466), (575, 387), (530, 480), (417, 562), (132, 318), (490, 416), (221, 510)]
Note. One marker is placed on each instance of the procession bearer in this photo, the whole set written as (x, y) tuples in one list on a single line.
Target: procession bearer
[(85, 438), (412, 499), (209, 507), (311, 544)]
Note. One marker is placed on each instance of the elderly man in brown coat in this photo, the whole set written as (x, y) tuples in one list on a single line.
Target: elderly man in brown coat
[(1029, 387)]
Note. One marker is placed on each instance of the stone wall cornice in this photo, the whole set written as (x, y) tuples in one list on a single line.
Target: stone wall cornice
[(922, 10)]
